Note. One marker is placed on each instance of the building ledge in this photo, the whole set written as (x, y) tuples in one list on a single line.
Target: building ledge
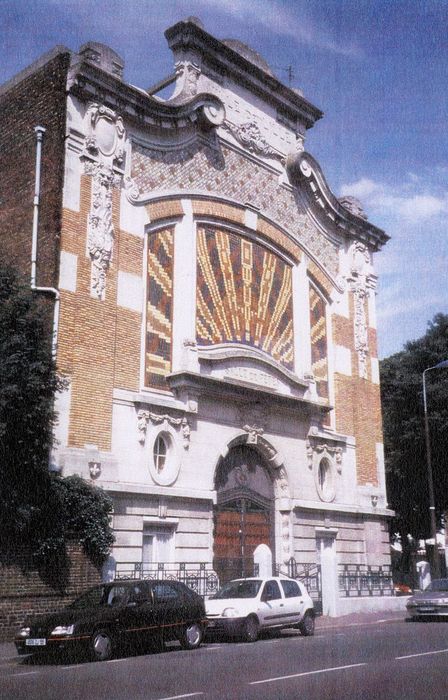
[(127, 488), (342, 508), (183, 382)]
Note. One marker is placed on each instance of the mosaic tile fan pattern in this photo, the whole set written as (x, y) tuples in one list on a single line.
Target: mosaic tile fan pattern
[(319, 361), (244, 295), (159, 308)]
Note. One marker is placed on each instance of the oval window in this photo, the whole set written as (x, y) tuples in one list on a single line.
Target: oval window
[(159, 453), (325, 480), (165, 461)]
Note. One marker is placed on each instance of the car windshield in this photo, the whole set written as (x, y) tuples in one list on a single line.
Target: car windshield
[(90, 599), (439, 584), (239, 589)]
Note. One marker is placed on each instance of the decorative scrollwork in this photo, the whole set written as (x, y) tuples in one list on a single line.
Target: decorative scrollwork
[(143, 418)]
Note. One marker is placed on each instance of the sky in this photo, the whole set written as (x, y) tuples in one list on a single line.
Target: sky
[(378, 70)]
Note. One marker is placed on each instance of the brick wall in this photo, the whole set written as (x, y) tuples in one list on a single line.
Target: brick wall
[(38, 99), (357, 401), (23, 594)]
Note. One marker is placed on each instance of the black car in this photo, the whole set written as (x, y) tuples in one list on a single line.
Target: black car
[(119, 614)]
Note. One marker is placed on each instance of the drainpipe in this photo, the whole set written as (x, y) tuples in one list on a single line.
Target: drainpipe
[(40, 131)]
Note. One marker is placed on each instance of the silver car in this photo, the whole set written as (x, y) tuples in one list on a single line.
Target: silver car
[(432, 602), (244, 607)]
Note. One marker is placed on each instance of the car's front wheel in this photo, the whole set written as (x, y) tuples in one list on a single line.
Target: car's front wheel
[(306, 627), (101, 645), (250, 629), (191, 636)]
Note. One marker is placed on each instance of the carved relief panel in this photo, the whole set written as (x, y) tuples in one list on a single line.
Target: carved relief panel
[(103, 154)]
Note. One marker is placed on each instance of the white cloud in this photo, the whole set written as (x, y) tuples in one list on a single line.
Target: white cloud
[(404, 305), (422, 206), (410, 200), (291, 22)]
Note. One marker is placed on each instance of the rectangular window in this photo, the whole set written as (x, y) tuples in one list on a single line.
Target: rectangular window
[(158, 545)]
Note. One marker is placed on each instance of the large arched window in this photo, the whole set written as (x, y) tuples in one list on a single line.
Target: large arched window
[(319, 350), (244, 295)]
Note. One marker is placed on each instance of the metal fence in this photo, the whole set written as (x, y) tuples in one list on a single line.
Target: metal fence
[(362, 580), (309, 574), (197, 576)]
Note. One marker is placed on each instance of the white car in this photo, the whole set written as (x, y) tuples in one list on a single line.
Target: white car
[(246, 606)]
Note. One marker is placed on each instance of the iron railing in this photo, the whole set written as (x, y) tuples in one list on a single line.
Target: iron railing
[(199, 577), (363, 580), (309, 574)]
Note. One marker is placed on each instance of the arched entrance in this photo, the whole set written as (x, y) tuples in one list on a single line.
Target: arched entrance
[(244, 514)]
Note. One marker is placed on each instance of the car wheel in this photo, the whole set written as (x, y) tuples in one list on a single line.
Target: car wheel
[(250, 629), (101, 645), (306, 627), (191, 636)]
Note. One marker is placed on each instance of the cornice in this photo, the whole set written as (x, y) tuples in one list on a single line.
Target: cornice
[(303, 169), (90, 83), (226, 61)]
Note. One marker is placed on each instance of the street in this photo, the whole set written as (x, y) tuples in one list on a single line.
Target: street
[(392, 658)]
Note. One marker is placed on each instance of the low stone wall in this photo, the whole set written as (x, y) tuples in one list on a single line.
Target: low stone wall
[(366, 604), (23, 594)]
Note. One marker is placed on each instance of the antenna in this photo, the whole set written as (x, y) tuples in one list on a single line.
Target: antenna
[(289, 70)]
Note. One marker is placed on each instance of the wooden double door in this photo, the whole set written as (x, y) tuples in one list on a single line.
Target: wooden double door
[(240, 526)]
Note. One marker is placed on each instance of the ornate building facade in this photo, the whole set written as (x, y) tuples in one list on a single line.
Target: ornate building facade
[(216, 314)]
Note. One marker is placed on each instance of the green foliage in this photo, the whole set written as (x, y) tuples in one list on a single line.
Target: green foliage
[(404, 431), (37, 510), (86, 512)]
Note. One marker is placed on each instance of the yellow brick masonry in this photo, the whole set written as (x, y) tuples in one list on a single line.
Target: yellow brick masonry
[(99, 342), (357, 401)]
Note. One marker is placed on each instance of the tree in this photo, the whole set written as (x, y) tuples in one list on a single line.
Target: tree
[(37, 509), (404, 434)]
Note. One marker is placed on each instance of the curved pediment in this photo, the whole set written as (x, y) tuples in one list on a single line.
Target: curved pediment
[(305, 171), (249, 365)]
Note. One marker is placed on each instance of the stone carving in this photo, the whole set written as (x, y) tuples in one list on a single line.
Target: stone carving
[(361, 336), (353, 205), (300, 143), (282, 480), (100, 231), (104, 150), (94, 469), (250, 136), (189, 74), (131, 189), (242, 475), (309, 454), (106, 134), (254, 432), (185, 427), (285, 538), (253, 375), (144, 416), (361, 281), (319, 448)]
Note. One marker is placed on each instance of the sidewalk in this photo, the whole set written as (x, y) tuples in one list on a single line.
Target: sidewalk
[(357, 619), (8, 650)]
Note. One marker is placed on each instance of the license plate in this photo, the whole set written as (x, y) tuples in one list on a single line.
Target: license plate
[(36, 642), (427, 608)]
